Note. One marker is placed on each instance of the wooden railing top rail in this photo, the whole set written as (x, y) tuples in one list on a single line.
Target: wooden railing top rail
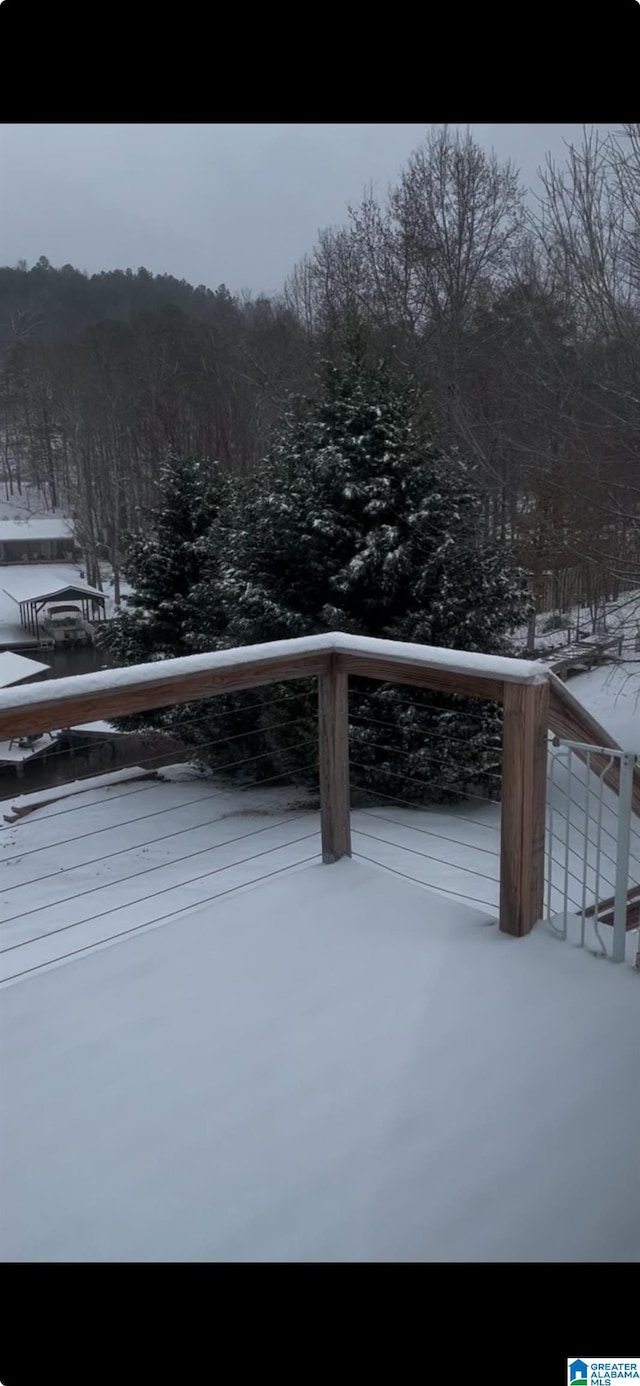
[(139, 688), (497, 668)]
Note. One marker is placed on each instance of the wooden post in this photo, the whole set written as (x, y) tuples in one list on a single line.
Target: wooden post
[(524, 784), (335, 801)]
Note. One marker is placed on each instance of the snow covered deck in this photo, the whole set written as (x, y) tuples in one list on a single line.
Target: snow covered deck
[(337, 1066), (11, 753)]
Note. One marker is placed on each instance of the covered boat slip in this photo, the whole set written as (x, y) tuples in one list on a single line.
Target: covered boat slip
[(32, 593)]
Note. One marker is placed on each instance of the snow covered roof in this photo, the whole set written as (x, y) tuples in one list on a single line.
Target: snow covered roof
[(36, 527), (14, 667), (44, 582)]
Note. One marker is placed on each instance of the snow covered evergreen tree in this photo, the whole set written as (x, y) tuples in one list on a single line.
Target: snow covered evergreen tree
[(183, 538), (357, 522)]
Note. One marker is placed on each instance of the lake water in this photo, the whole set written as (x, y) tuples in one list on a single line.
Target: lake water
[(83, 659)]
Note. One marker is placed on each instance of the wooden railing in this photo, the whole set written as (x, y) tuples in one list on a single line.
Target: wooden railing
[(521, 686)]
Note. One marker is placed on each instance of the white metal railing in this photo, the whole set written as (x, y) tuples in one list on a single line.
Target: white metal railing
[(592, 859)]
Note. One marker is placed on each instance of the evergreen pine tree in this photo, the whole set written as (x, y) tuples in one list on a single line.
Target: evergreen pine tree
[(357, 522), (183, 538)]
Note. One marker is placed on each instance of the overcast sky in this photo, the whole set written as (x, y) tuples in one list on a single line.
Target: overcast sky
[(233, 204)]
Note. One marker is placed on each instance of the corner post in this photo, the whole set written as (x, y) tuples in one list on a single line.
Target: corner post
[(335, 799), (524, 791)]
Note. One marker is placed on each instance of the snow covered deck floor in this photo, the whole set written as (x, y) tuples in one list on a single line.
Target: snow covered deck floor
[(334, 1066)]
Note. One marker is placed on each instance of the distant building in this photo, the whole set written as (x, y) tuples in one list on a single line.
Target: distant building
[(40, 539)]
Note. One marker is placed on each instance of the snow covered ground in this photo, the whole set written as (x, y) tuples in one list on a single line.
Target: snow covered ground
[(620, 617), (30, 505), (334, 1066), (612, 694)]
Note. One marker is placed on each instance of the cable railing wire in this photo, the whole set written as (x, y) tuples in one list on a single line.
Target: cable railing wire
[(121, 851), (436, 759), (376, 722), (589, 817), (578, 828), (420, 707), (151, 923), (567, 846), (133, 875), (422, 808), (444, 890), (154, 894), (428, 855), (570, 850), (552, 836), (607, 808), (430, 832), (140, 761), (170, 808), (561, 863), (453, 786)]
